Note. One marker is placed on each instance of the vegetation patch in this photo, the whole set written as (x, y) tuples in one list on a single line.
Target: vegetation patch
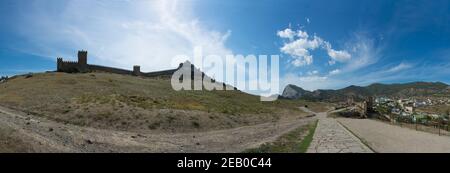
[(308, 139), (436, 109), (296, 141), (11, 141)]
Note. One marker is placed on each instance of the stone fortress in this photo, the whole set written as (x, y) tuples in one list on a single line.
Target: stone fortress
[(81, 66)]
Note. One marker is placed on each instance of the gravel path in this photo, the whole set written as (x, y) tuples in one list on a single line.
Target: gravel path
[(386, 138), (332, 137)]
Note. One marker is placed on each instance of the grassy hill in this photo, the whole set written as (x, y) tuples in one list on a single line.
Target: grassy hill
[(122, 102)]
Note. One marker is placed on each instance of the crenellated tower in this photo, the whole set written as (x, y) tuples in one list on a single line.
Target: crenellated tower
[(82, 57), (59, 64), (136, 70)]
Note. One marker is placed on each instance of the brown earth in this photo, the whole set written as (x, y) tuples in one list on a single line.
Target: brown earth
[(129, 103), (101, 112), (27, 133)]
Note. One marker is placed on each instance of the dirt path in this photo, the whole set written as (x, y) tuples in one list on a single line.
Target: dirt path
[(386, 138), (331, 137), (44, 135)]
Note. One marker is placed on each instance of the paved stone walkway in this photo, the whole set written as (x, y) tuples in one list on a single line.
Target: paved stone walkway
[(332, 137), (386, 138)]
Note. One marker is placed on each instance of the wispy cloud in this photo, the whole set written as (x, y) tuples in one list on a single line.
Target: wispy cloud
[(314, 72), (119, 33), (399, 67), (334, 72), (364, 50)]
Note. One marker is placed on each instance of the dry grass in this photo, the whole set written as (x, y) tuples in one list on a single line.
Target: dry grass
[(296, 141), (112, 101), (11, 142)]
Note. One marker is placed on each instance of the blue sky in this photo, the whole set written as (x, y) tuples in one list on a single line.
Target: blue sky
[(322, 44)]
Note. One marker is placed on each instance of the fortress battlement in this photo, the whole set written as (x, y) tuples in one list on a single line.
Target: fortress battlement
[(81, 66)]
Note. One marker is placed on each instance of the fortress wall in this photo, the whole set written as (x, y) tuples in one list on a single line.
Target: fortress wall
[(159, 73), (81, 66), (68, 66), (69, 62), (109, 69)]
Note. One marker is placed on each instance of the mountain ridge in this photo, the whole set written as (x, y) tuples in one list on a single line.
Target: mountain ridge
[(410, 89)]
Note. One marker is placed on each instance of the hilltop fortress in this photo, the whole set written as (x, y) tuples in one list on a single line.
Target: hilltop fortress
[(83, 67)]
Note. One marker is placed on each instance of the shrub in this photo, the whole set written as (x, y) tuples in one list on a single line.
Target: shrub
[(195, 124)]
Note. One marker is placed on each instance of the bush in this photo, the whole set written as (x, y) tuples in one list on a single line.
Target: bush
[(154, 125), (195, 124), (3, 78), (29, 75)]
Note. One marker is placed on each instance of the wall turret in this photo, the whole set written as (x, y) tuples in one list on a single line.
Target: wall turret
[(136, 70), (82, 57), (59, 64)]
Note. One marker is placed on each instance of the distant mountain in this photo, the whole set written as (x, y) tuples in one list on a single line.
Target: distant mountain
[(293, 92), (414, 89)]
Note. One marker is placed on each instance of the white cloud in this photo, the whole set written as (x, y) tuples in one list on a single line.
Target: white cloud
[(399, 67), (313, 78), (331, 62), (299, 49), (364, 53), (336, 55), (365, 68), (120, 33), (300, 44), (314, 72), (301, 61), (340, 55), (334, 72), (302, 34), (287, 33)]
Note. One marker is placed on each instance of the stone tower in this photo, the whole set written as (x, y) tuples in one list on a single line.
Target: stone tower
[(136, 70), (82, 58), (59, 64)]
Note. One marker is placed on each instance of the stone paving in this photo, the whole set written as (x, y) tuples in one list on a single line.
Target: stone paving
[(387, 138), (332, 137)]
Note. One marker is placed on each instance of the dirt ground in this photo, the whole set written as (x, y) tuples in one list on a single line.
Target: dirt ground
[(129, 103), (103, 112), (21, 132)]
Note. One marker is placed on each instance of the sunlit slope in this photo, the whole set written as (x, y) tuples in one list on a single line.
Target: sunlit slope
[(123, 102)]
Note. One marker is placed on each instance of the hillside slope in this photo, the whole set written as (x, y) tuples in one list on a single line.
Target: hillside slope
[(123, 102)]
